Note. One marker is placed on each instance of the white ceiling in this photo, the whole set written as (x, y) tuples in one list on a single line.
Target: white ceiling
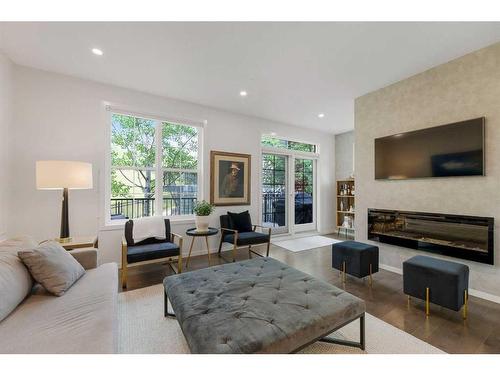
[(292, 71)]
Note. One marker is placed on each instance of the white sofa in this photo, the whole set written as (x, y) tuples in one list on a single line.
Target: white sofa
[(83, 320)]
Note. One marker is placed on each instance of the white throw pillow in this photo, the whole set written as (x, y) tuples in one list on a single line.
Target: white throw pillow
[(15, 279), (52, 266)]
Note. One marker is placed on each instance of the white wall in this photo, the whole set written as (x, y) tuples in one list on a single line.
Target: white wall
[(466, 88), (60, 117), (5, 121)]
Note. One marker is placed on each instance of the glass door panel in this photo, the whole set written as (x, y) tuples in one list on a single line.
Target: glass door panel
[(274, 192), (304, 210)]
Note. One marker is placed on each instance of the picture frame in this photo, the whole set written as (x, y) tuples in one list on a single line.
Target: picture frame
[(230, 178)]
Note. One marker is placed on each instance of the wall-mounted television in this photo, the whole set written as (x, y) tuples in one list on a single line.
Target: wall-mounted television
[(442, 151)]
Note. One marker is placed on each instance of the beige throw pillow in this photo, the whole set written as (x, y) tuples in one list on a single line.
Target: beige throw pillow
[(52, 266)]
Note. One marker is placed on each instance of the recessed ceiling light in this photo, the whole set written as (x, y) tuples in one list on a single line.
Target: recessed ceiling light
[(97, 51), (243, 93), (321, 115), (273, 133)]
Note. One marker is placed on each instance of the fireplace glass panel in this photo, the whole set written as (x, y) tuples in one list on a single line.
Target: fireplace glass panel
[(467, 237)]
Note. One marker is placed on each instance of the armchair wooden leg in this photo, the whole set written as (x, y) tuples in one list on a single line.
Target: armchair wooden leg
[(179, 264), (179, 260), (124, 265), (124, 276), (235, 245), (249, 251), (220, 245), (269, 242)]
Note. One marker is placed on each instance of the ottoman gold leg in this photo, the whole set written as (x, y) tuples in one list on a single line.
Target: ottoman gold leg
[(343, 271), (466, 300), (371, 279), (427, 302)]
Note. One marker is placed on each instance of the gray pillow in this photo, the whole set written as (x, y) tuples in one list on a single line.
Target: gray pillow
[(52, 266)]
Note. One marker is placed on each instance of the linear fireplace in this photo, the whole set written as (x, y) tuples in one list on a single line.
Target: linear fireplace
[(466, 237)]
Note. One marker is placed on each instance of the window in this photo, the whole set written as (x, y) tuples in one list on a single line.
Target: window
[(154, 167), (269, 141)]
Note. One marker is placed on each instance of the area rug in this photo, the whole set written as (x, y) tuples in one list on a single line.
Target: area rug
[(142, 329), (305, 243)]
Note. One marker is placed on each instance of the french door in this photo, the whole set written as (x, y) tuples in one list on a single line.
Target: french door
[(288, 193), (275, 192), (304, 194)]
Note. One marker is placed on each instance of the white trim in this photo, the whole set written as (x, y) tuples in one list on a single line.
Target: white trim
[(391, 268), (286, 151), (472, 292), (159, 163), (484, 295), (154, 116)]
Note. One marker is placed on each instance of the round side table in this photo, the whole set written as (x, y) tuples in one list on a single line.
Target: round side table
[(194, 233)]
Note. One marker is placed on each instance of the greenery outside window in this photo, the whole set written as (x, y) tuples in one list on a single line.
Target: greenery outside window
[(154, 167), (269, 141)]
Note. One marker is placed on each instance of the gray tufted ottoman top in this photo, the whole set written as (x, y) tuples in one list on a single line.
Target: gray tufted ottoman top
[(256, 306)]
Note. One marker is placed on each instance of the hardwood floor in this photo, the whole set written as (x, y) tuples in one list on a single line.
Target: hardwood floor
[(445, 329)]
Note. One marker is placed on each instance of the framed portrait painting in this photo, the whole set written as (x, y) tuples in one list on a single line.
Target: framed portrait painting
[(229, 178)]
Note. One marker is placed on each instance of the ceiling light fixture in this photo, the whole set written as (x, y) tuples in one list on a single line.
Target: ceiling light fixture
[(97, 51), (243, 93), (321, 115)]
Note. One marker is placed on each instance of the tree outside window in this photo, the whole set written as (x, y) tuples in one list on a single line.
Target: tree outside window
[(134, 170)]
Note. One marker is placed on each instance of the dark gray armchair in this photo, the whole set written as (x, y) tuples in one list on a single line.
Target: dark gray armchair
[(242, 239), (150, 250)]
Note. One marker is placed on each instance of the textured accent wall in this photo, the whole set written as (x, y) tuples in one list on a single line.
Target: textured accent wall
[(465, 88), (344, 157)]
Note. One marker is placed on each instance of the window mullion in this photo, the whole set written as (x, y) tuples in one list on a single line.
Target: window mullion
[(159, 174)]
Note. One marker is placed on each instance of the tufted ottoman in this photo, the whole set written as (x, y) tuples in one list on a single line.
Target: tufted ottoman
[(258, 306)]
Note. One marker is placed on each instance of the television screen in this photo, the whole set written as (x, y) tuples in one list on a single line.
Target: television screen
[(449, 150)]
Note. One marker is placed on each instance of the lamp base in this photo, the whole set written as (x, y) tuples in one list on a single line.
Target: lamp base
[(64, 240)]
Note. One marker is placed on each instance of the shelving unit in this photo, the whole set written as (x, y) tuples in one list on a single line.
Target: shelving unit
[(345, 200)]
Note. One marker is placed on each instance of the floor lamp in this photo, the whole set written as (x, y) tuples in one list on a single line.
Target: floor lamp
[(65, 175)]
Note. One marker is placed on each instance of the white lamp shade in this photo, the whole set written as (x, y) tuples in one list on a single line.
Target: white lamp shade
[(58, 174)]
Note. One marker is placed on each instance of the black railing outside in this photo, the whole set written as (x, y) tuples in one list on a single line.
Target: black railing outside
[(133, 208), (273, 208), (274, 212)]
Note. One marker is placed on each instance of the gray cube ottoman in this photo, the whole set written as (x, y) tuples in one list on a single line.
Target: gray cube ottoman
[(438, 281), (258, 306), (355, 258)]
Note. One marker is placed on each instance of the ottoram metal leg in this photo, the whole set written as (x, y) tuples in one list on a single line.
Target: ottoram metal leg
[(466, 302), (427, 302), (165, 306), (371, 278), (362, 339)]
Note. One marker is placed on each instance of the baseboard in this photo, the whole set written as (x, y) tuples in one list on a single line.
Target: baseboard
[(391, 269), (484, 295), (473, 292)]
